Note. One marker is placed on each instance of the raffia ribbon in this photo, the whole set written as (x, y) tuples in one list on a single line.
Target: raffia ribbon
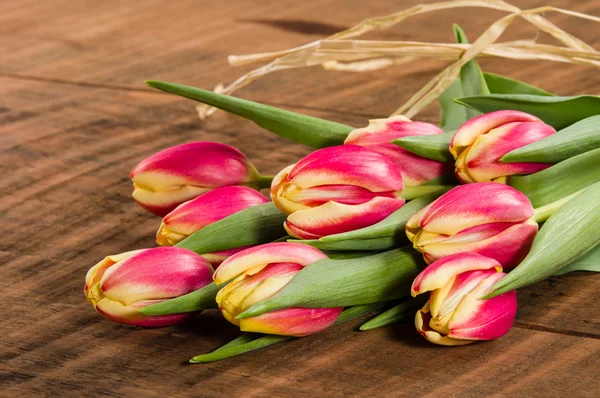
[(340, 52)]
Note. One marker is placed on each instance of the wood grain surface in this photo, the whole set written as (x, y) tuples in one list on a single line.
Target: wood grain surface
[(75, 117)]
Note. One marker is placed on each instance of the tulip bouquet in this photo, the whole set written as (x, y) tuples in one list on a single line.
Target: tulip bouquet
[(505, 193)]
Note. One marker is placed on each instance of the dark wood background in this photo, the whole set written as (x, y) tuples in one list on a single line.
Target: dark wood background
[(75, 117)]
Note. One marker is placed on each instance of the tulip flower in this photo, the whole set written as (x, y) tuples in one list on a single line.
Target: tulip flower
[(120, 285), (175, 175), (337, 189), (479, 144), (456, 314), (415, 170), (487, 218), (258, 273), (207, 208)]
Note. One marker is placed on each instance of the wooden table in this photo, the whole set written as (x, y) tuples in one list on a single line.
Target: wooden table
[(75, 117)]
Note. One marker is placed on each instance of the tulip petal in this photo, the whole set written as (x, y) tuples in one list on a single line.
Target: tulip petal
[(347, 165), (206, 209), (158, 273), (129, 315), (205, 164), (441, 272), (162, 203), (296, 322), (94, 274), (475, 318), (240, 295), (474, 204), (422, 320), (378, 135), (468, 132), (481, 161), (333, 218), (216, 258), (259, 256), (509, 246)]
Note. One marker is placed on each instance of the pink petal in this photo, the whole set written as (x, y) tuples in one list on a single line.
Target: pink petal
[(442, 271), (482, 158), (468, 132), (422, 320), (212, 206), (157, 273), (378, 135), (333, 218), (347, 165), (292, 321), (479, 319), (207, 164), (509, 246), (257, 257), (474, 204), (129, 315)]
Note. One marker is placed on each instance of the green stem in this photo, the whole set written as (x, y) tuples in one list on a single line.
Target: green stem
[(265, 181), (249, 341), (543, 213)]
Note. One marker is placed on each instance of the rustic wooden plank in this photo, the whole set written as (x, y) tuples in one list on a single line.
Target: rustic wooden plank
[(149, 44), (69, 141)]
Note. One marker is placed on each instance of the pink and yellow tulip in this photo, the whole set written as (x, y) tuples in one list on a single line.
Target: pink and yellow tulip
[(120, 285), (456, 314), (490, 219), (415, 170), (257, 274), (206, 209), (479, 144), (337, 189), (175, 175)]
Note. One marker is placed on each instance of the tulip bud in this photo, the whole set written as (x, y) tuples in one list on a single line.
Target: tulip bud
[(120, 285), (337, 189), (487, 218), (259, 273), (479, 144), (456, 314), (212, 206), (175, 175), (415, 170)]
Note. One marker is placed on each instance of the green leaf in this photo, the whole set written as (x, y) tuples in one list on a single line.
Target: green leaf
[(589, 262), (401, 312), (351, 244), (251, 226), (568, 235), (561, 180), (559, 112), (341, 283), (201, 299), (435, 147), (574, 140), (391, 226), (504, 85), (307, 130), (470, 82), (253, 341)]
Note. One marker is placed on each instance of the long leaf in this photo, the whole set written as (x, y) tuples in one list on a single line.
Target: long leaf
[(559, 112), (574, 140), (251, 226), (435, 147), (401, 312), (561, 180), (342, 283), (504, 85), (589, 262), (568, 235), (307, 130), (252, 341), (201, 299), (470, 82), (360, 245)]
